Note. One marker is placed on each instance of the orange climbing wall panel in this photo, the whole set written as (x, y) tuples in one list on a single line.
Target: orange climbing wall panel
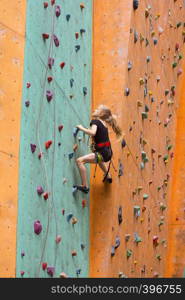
[(176, 249), (115, 25), (12, 28)]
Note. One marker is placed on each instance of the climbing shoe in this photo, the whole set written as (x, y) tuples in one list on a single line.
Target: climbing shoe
[(107, 179), (81, 188)]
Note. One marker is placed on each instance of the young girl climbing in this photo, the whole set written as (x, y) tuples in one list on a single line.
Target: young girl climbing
[(102, 117)]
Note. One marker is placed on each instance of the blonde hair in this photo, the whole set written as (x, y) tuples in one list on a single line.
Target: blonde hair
[(105, 114)]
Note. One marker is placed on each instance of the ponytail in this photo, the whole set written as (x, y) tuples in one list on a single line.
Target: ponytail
[(113, 123)]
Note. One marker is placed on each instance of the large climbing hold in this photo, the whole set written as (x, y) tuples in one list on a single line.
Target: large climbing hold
[(48, 144), (45, 4), (135, 4), (37, 227)]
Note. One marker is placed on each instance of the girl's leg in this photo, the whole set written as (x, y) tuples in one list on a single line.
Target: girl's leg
[(104, 168), (81, 161)]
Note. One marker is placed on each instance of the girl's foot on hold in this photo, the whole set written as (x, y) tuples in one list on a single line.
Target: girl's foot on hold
[(82, 188), (107, 178)]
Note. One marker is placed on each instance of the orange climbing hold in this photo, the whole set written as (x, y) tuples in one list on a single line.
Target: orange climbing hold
[(82, 5)]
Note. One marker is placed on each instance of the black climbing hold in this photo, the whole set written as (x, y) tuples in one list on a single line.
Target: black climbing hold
[(120, 218), (112, 251), (123, 143), (129, 66), (68, 17), (117, 244), (33, 147), (135, 4), (71, 82), (120, 171), (49, 96), (155, 41), (82, 31), (82, 246), (77, 48), (78, 271), (84, 91), (27, 103), (146, 108), (148, 59), (70, 155), (127, 91)]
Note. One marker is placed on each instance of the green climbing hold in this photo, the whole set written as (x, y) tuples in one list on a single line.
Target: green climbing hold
[(145, 196), (128, 253), (144, 115)]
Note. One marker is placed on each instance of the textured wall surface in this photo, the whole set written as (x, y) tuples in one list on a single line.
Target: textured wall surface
[(12, 28), (149, 42), (55, 171)]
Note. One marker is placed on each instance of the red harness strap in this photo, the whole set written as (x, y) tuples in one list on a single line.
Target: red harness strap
[(106, 144)]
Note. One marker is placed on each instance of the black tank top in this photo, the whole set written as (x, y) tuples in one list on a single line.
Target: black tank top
[(102, 134)]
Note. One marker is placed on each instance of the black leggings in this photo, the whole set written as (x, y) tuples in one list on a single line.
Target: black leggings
[(106, 153)]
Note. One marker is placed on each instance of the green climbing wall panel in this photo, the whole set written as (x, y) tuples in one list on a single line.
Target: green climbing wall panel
[(54, 171)]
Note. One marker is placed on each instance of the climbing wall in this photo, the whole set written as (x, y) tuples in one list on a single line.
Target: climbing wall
[(12, 26), (53, 219), (138, 50)]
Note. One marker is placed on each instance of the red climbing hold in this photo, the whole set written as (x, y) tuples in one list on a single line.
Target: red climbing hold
[(63, 211), (177, 47), (57, 11), (51, 271), (50, 79), (77, 35), (45, 4), (40, 155), (45, 36), (48, 144), (50, 62), (84, 203), (56, 40), (82, 5), (22, 273), (155, 240), (45, 196), (62, 65), (28, 85), (44, 266), (37, 227), (60, 127), (52, 2), (74, 253), (58, 239)]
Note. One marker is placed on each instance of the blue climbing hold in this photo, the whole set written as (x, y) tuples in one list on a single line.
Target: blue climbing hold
[(82, 31), (71, 82), (70, 155), (74, 189), (69, 217), (85, 91), (112, 251), (118, 242), (135, 4), (77, 48), (68, 17), (78, 271)]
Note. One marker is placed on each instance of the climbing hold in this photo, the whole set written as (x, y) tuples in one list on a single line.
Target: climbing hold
[(37, 227), (112, 251), (155, 41), (63, 212), (142, 165), (128, 253), (137, 211), (62, 65), (82, 31), (84, 203), (44, 266), (158, 78), (82, 6), (73, 253), (22, 254), (165, 158), (144, 115), (70, 155), (45, 36), (120, 169), (69, 217), (160, 30), (139, 103), (22, 273), (60, 127), (127, 237), (45, 4), (120, 218), (177, 46), (51, 271), (78, 272), (135, 36), (121, 275), (179, 72), (143, 208), (123, 143), (28, 85), (145, 197), (45, 196), (137, 239), (141, 81), (129, 66), (156, 274), (148, 59), (56, 40), (74, 220), (27, 103), (162, 206), (58, 239), (33, 147), (77, 48), (75, 131), (40, 190), (76, 35), (82, 246), (146, 12), (71, 82), (40, 155), (50, 79), (50, 62), (84, 91), (127, 91), (179, 24), (52, 2), (49, 95), (48, 144), (155, 240), (63, 275), (135, 4), (174, 65), (68, 17), (57, 11), (117, 243)]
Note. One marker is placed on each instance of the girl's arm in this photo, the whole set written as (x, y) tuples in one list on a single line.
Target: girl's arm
[(90, 131)]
